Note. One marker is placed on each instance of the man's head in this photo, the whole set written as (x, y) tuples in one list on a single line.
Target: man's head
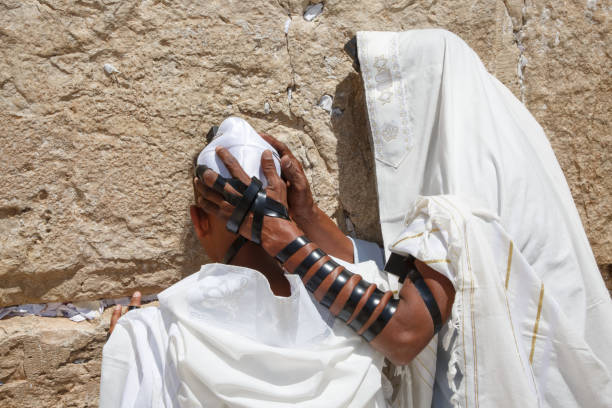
[(243, 142)]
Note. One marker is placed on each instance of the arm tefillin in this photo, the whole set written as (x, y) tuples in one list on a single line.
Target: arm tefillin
[(358, 303), (350, 298), (404, 267)]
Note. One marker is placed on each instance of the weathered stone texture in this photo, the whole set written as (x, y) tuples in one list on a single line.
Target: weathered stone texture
[(50, 362), (567, 87), (95, 182)]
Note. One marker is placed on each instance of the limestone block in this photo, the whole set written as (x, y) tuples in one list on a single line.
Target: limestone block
[(95, 166), (47, 362), (567, 86)]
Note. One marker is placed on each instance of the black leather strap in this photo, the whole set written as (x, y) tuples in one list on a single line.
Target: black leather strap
[(335, 288), (241, 210), (275, 209), (291, 248), (220, 181), (212, 132), (366, 311), (382, 320), (234, 248), (199, 171), (307, 263), (315, 281), (403, 266), (253, 198), (272, 208), (398, 265), (428, 298), (219, 184), (259, 206), (349, 307)]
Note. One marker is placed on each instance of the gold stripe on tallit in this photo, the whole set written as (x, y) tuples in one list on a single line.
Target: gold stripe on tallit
[(437, 261), (414, 236), (509, 263), (537, 323)]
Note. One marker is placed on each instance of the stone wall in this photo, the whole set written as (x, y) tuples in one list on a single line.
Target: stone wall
[(95, 167)]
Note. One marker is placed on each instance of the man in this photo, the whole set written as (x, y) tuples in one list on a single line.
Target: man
[(241, 334)]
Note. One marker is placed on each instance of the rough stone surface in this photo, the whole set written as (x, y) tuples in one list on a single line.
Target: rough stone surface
[(48, 362), (95, 166)]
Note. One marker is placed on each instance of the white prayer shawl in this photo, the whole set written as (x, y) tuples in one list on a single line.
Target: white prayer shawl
[(221, 338), (531, 319)]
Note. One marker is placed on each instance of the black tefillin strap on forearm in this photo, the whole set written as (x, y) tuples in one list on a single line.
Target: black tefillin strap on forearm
[(291, 249), (403, 267), (253, 200), (335, 288)]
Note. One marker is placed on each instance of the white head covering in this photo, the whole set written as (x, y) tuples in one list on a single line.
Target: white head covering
[(243, 142)]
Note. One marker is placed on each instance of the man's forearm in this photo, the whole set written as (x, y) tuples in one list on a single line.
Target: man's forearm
[(357, 302), (399, 329), (318, 227)]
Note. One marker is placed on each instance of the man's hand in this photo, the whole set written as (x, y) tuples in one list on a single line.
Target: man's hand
[(276, 232), (118, 311), (307, 215), (299, 197)]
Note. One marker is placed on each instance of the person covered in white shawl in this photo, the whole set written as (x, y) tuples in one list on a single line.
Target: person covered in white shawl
[(468, 182), (469, 189)]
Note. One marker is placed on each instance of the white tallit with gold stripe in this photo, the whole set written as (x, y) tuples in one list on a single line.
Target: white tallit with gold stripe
[(468, 183)]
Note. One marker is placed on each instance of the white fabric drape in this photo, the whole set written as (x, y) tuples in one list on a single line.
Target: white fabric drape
[(220, 338), (244, 143), (531, 321)]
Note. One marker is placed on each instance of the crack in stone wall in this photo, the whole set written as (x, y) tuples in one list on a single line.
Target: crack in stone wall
[(515, 10)]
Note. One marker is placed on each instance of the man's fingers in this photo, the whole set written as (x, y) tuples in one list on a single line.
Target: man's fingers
[(135, 299), (208, 207), (114, 317), (208, 180), (269, 168), (211, 201), (212, 196), (207, 193), (223, 211), (200, 188), (280, 147), (293, 173), (232, 165)]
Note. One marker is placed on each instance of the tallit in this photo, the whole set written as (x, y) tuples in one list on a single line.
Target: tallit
[(531, 320), (220, 338)]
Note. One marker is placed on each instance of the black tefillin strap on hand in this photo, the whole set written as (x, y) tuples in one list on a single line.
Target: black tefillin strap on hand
[(253, 199), (403, 266), (359, 291)]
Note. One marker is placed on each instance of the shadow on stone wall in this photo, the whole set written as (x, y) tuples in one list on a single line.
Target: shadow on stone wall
[(193, 253), (356, 177)]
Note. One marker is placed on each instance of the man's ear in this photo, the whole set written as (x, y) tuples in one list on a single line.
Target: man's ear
[(200, 221)]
